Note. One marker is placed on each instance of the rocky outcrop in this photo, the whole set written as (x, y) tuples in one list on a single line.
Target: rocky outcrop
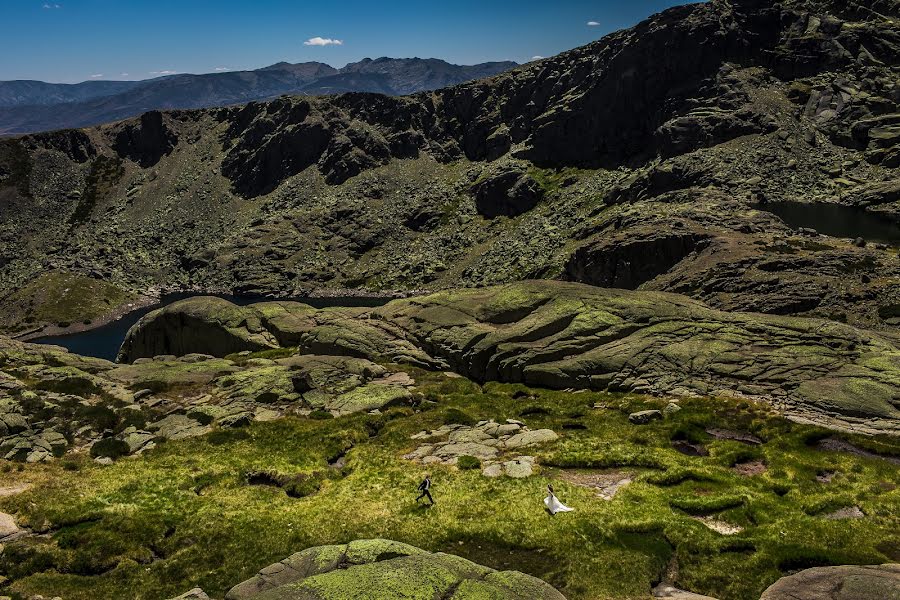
[(380, 569), (495, 445), (196, 325), (508, 193), (64, 402), (874, 194), (838, 583), (565, 335), (147, 140), (629, 260), (670, 79)]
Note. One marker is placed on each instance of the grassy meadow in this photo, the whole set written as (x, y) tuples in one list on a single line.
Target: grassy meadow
[(198, 512)]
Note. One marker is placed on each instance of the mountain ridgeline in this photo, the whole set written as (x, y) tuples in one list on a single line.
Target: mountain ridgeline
[(638, 161), (30, 106)]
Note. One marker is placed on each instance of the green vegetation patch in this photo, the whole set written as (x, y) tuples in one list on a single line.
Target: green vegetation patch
[(62, 299), (211, 511)]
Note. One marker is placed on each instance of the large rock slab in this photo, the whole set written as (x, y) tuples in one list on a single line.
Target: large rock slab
[(8, 527), (378, 569), (194, 326), (838, 583), (567, 335)]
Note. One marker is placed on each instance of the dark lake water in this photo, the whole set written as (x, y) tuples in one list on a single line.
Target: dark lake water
[(836, 220), (104, 342)]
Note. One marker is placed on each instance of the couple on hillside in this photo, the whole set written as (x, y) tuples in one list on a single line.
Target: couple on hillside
[(551, 501)]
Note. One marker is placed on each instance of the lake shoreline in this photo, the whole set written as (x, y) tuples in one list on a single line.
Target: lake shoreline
[(115, 324), (116, 314)]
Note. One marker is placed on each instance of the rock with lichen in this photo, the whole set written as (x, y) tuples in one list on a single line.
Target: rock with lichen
[(375, 569)]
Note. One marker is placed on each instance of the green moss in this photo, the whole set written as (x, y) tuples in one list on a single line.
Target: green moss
[(109, 448), (225, 533), (551, 180), (455, 416), (468, 463), (58, 297)]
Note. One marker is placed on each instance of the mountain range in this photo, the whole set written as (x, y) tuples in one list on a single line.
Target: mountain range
[(31, 106)]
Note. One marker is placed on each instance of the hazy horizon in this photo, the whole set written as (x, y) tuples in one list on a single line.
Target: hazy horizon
[(103, 40)]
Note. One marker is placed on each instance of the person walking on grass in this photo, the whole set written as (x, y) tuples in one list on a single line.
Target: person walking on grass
[(425, 488)]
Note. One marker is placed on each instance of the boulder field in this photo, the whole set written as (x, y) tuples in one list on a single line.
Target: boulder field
[(566, 335)]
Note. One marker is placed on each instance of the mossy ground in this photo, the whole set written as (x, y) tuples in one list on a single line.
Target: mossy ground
[(184, 514), (61, 299)]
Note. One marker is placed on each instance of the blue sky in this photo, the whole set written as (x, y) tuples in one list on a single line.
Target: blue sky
[(77, 40)]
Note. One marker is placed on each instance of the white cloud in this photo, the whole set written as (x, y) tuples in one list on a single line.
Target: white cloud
[(320, 41), (123, 74), (537, 58), (49, 6), (593, 23), (224, 69), (97, 76), (167, 72)]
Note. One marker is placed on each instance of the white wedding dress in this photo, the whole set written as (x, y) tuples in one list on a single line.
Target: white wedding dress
[(554, 505)]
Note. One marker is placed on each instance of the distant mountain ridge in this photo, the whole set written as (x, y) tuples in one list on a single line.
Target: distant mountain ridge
[(32, 106)]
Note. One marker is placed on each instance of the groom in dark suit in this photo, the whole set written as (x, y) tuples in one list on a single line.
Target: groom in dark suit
[(425, 488)]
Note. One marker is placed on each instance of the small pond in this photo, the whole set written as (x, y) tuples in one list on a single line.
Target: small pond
[(836, 220), (104, 341)]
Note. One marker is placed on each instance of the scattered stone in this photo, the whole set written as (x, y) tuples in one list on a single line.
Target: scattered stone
[(178, 427), (8, 527), (606, 483), (493, 470), (194, 594), (750, 468), (689, 449), (494, 444), (645, 416), (718, 525), (738, 436), (13, 490), (848, 512), (670, 409), (880, 582), (669, 592), (520, 467), (141, 394), (834, 444), (531, 438), (510, 193), (825, 476)]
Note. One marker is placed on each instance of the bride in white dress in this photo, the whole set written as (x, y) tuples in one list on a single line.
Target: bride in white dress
[(553, 504)]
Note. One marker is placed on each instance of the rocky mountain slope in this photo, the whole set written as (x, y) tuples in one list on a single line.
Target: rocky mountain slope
[(28, 106), (638, 161)]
